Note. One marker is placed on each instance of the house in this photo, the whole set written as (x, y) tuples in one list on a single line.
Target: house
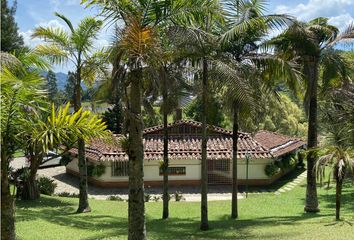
[(108, 163)]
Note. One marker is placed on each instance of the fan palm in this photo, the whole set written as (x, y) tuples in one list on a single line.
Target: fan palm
[(19, 89), (311, 43), (75, 46), (339, 156)]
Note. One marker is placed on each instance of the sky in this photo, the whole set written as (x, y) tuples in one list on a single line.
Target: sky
[(34, 13)]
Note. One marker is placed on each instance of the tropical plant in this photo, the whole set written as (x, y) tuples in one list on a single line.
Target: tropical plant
[(46, 185), (339, 157), (245, 65), (20, 90), (139, 49), (76, 46), (311, 43)]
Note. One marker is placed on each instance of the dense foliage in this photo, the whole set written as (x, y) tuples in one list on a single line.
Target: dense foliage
[(10, 38)]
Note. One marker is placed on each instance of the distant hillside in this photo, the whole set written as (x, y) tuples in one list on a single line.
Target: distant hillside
[(61, 80)]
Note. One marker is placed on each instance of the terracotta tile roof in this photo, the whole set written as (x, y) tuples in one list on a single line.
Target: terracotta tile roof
[(276, 143), (212, 129), (188, 146)]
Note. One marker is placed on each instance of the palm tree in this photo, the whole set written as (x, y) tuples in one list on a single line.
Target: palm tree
[(21, 96), (75, 46), (250, 65), (312, 43), (339, 156), (140, 48)]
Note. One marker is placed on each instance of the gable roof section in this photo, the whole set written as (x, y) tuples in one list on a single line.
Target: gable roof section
[(276, 143)]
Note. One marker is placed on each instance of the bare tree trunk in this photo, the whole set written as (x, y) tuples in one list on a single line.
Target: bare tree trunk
[(234, 210), (165, 212), (204, 168), (7, 201), (83, 193), (136, 209), (311, 72)]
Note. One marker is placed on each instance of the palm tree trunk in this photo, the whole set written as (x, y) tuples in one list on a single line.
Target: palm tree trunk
[(30, 188), (204, 168), (83, 193), (311, 72), (7, 201), (165, 211), (136, 209), (339, 185), (234, 210)]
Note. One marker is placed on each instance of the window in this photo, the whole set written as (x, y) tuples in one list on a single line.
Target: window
[(120, 168), (174, 171), (222, 165)]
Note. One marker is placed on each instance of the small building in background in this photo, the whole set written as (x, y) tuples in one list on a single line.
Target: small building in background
[(108, 162)]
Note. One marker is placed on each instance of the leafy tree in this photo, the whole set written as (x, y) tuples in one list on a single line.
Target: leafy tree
[(70, 86), (52, 86), (10, 38), (214, 115), (312, 43), (279, 114), (113, 117), (339, 156), (76, 46), (25, 125)]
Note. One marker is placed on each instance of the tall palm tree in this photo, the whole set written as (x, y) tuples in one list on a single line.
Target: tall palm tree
[(248, 63), (311, 42), (139, 48), (75, 46)]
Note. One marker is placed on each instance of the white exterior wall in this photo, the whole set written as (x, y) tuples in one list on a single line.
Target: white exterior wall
[(193, 170)]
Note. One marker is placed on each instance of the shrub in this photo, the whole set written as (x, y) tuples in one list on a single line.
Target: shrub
[(156, 198), (147, 197), (271, 169), (65, 159), (46, 185), (96, 170), (115, 198), (67, 194), (178, 196)]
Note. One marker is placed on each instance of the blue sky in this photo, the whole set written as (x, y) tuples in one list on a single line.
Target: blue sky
[(32, 13)]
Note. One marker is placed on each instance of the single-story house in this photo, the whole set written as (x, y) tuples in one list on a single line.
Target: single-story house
[(108, 163)]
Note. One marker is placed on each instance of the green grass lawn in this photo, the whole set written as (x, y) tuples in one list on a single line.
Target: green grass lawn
[(262, 216)]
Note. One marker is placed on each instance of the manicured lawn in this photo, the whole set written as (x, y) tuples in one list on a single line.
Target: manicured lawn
[(262, 216)]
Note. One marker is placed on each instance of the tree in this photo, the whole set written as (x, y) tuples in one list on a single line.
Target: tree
[(339, 156), (19, 90), (25, 125), (52, 86), (70, 86), (113, 117), (139, 49), (214, 116), (10, 38), (76, 46), (312, 43)]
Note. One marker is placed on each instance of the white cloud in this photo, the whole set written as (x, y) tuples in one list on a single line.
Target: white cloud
[(32, 42), (336, 10)]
